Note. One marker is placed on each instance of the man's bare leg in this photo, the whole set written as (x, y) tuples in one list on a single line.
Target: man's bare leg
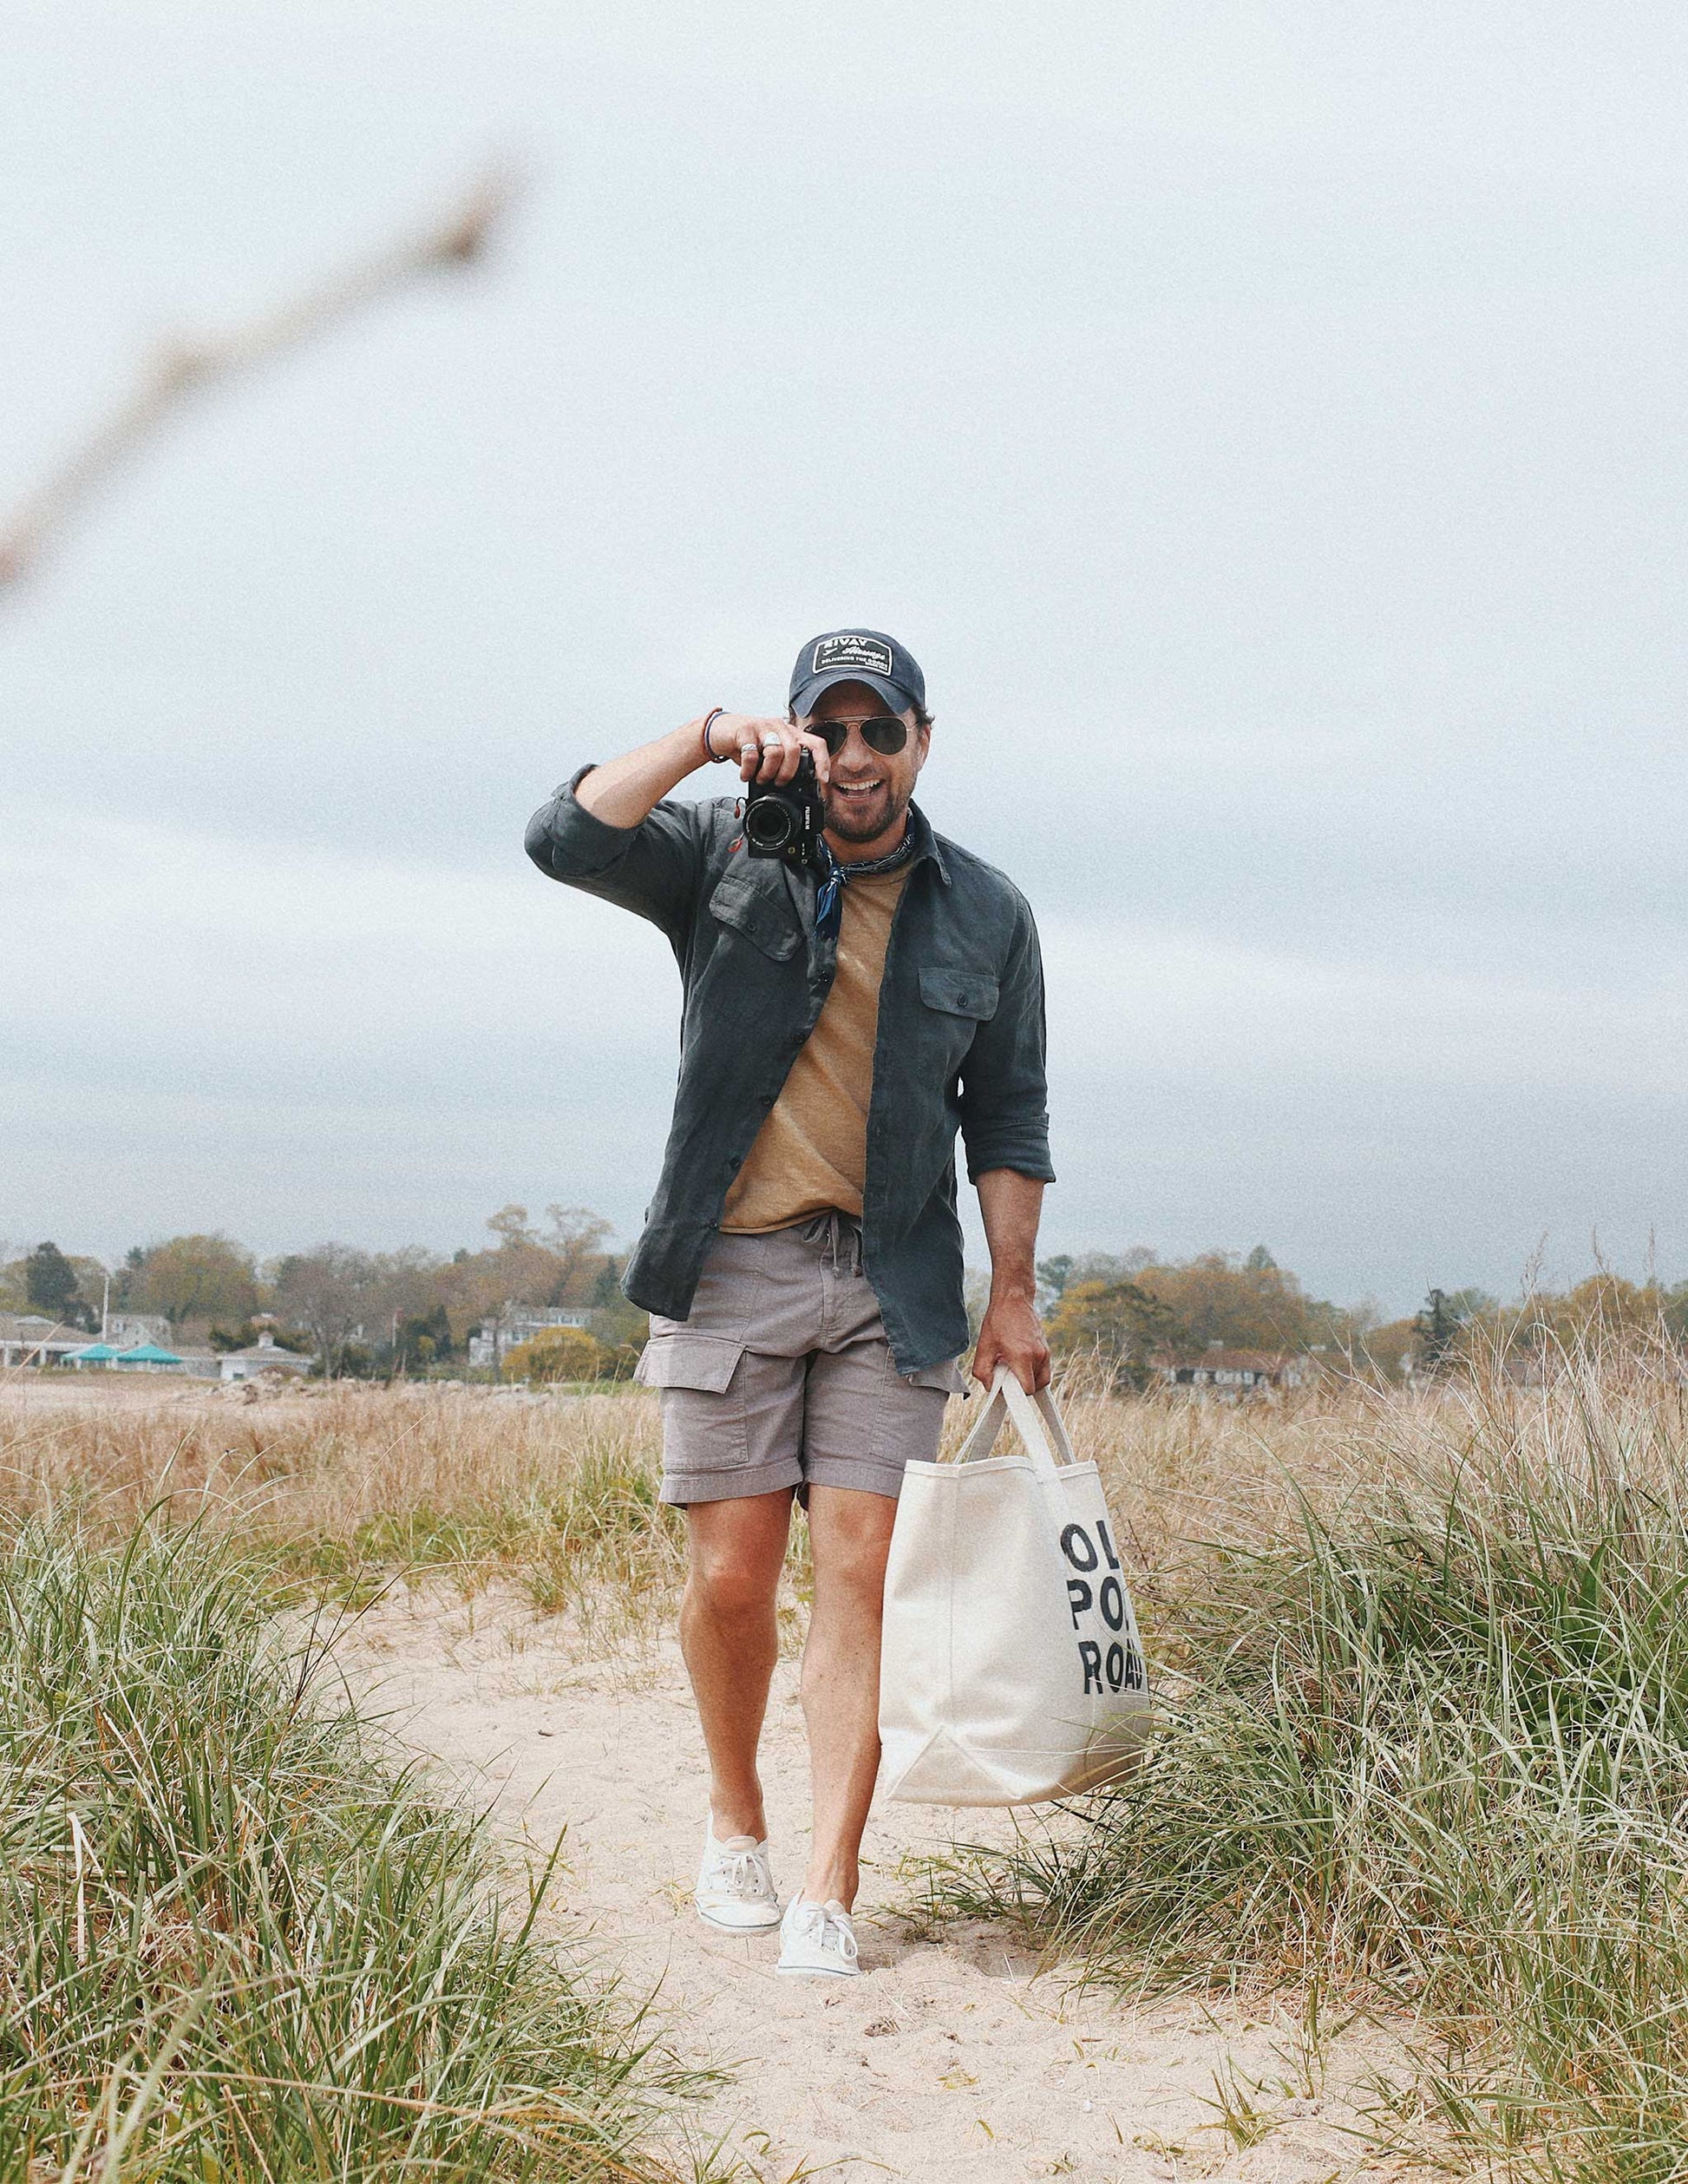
[(850, 1534), (730, 1640)]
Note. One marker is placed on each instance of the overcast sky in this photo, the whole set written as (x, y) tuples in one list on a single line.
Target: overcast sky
[(1264, 423)]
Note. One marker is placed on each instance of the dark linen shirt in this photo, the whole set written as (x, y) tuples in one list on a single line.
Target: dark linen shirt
[(960, 1040)]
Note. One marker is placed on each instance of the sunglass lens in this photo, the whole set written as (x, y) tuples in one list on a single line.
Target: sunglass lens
[(885, 734)]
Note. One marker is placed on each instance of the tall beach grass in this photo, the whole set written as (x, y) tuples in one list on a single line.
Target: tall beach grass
[(1424, 1744), (236, 1941)]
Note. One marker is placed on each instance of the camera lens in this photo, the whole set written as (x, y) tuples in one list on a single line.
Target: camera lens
[(768, 823)]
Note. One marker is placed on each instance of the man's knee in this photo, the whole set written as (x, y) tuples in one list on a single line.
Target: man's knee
[(730, 1592), (734, 1567), (850, 1546)]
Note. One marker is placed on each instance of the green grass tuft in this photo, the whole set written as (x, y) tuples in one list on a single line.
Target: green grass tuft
[(236, 1941), (1428, 1741)]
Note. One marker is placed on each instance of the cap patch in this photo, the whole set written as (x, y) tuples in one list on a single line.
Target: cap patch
[(834, 652)]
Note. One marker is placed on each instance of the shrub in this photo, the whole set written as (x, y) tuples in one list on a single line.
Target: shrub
[(561, 1353)]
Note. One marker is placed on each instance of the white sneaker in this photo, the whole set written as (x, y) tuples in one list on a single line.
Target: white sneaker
[(817, 1942), (735, 1885)]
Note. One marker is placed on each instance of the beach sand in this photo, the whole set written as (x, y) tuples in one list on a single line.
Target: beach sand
[(955, 2056)]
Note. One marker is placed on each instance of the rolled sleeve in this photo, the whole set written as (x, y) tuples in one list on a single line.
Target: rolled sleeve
[(652, 869), (1004, 1091)]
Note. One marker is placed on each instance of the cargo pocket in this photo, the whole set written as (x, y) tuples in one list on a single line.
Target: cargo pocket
[(705, 1361), (948, 1376)]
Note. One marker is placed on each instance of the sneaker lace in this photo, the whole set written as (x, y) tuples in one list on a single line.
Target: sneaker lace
[(739, 1873), (818, 1924)]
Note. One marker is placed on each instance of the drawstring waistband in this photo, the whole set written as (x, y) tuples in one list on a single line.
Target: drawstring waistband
[(842, 1236)]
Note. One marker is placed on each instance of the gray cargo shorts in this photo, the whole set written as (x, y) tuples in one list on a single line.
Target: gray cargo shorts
[(783, 1375)]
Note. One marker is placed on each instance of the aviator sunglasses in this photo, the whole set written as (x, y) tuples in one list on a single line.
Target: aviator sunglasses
[(881, 732)]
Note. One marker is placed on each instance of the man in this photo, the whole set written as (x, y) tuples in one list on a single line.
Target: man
[(801, 1258)]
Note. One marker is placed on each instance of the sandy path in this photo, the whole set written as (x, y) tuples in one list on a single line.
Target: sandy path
[(946, 2061)]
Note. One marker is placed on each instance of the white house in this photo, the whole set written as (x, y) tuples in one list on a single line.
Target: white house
[(521, 1325), (124, 1331), (30, 1338), (1229, 1376), (266, 1355)]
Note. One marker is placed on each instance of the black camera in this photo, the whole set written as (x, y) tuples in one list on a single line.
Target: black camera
[(786, 822)]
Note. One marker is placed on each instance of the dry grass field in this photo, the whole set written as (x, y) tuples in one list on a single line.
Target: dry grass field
[(350, 1482), (557, 1491), (1423, 1698)]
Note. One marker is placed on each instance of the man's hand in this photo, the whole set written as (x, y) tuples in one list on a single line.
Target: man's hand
[(1013, 1335), (767, 749)]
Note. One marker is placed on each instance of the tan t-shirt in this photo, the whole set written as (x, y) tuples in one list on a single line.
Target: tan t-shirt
[(811, 1152)]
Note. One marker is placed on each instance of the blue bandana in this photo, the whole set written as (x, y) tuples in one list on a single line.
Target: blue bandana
[(834, 877)]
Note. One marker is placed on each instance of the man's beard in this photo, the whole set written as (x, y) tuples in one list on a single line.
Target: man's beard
[(867, 822)]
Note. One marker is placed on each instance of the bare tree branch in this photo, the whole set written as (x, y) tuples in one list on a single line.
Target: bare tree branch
[(186, 366)]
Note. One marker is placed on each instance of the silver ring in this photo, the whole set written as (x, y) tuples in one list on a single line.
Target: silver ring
[(772, 743)]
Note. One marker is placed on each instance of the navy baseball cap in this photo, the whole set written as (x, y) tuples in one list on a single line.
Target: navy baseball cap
[(858, 655)]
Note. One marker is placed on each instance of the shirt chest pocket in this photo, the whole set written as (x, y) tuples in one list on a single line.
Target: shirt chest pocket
[(970, 994), (768, 923)]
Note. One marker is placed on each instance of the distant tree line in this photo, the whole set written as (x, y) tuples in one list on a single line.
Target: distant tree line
[(1132, 1312), (357, 1312), (413, 1310), (1457, 1328)]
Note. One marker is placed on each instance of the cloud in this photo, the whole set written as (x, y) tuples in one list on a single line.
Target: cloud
[(298, 1042), (1264, 428)]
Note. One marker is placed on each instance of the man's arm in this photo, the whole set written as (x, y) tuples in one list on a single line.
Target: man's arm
[(1003, 1096), (1005, 1127), (1011, 1334), (613, 833), (624, 791)]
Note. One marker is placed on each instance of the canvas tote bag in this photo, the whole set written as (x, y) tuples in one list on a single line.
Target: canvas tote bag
[(1010, 1667)]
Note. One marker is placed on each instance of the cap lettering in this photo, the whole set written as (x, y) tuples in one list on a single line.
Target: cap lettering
[(851, 651)]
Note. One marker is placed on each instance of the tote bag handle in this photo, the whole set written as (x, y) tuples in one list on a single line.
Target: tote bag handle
[(1036, 1420)]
